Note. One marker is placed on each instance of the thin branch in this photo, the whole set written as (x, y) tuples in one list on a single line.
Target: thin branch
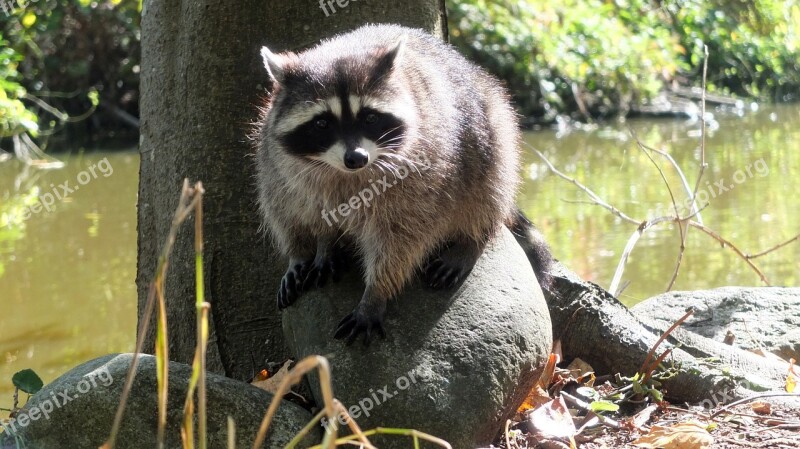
[(646, 369), (695, 210), (730, 245), (751, 398), (681, 226), (598, 201), (634, 238), (776, 247)]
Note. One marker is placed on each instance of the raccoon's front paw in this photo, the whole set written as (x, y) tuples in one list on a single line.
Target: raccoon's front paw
[(451, 265), (292, 284), (329, 266), (366, 318)]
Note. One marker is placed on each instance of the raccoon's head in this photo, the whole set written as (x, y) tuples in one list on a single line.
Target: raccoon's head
[(340, 106)]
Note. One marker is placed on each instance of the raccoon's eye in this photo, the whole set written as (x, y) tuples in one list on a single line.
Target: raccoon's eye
[(321, 124), (371, 118)]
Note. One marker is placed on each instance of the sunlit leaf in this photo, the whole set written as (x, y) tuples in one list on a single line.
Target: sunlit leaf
[(603, 406), (28, 19)]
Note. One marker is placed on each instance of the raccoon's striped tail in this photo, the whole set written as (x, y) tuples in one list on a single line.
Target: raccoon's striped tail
[(533, 243)]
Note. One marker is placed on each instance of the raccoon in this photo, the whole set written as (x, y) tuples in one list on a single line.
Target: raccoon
[(398, 113)]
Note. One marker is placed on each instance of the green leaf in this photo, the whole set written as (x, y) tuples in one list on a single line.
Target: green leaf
[(603, 406), (28, 381), (657, 395)]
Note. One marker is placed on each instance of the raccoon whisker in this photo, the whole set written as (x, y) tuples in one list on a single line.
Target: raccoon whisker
[(383, 168), (387, 133), (393, 141), (383, 165), (314, 164), (407, 161)]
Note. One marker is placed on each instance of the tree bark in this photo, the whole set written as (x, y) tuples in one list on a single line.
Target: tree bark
[(202, 80)]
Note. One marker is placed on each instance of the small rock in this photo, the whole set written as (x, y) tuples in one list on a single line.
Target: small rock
[(758, 317), (77, 409), (455, 364)]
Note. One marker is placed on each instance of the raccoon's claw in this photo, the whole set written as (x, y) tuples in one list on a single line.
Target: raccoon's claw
[(440, 274), (452, 264), (360, 321), (292, 284), (320, 271)]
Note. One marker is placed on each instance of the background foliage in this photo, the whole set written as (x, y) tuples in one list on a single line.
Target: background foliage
[(586, 58), (60, 52), (599, 57)]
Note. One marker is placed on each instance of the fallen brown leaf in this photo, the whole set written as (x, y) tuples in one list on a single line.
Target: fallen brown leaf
[(686, 435), (761, 407)]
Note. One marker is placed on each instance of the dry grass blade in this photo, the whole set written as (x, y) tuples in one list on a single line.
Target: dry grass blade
[(185, 206), (231, 433), (304, 366), (162, 359), (416, 435), (614, 288), (197, 381), (305, 430)]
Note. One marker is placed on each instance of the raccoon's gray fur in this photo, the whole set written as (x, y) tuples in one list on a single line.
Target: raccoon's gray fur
[(395, 108)]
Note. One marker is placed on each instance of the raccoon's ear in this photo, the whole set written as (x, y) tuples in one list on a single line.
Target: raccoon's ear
[(274, 64), (391, 56)]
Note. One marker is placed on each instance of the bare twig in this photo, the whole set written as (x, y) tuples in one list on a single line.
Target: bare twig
[(752, 398), (776, 247), (614, 287), (726, 243), (595, 198), (703, 166), (681, 225), (694, 208)]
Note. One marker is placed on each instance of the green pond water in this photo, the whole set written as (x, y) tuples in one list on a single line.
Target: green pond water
[(67, 290)]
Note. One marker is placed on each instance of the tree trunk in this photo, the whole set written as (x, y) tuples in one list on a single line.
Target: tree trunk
[(202, 80)]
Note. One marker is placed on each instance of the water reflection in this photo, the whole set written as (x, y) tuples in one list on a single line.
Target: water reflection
[(67, 266), (753, 173)]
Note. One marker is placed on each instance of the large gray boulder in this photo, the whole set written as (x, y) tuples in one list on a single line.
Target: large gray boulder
[(50, 420), (455, 364), (758, 317)]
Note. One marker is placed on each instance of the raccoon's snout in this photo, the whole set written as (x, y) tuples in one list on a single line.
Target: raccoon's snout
[(356, 159)]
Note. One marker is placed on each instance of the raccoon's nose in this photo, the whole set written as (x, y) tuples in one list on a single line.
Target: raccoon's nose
[(355, 159)]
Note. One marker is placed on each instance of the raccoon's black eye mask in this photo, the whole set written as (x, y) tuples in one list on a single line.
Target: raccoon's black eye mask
[(322, 131)]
